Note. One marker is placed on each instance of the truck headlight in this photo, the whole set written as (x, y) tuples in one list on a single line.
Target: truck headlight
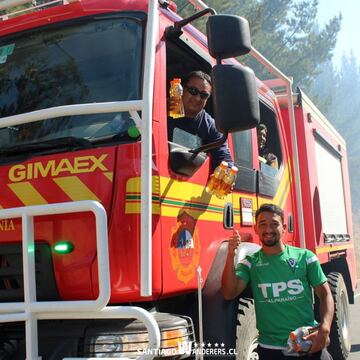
[(177, 338)]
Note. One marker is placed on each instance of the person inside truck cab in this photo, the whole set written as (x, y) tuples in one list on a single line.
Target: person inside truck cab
[(265, 156), (197, 90)]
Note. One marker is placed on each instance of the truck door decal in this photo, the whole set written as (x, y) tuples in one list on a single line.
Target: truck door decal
[(185, 248), (27, 181)]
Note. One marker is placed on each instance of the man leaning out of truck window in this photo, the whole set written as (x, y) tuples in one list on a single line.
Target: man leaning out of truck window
[(197, 90)]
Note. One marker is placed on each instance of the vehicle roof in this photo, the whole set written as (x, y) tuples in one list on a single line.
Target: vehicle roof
[(76, 9)]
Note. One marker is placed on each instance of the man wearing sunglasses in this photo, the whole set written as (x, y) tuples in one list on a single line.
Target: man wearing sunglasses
[(197, 90)]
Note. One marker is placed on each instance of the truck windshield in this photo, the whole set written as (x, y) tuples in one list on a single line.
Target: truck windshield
[(88, 61)]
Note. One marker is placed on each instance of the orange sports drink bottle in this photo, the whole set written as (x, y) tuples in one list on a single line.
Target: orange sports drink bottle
[(176, 92), (227, 182), (214, 183)]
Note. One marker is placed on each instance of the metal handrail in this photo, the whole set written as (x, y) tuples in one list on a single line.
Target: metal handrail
[(27, 214), (68, 110), (30, 310)]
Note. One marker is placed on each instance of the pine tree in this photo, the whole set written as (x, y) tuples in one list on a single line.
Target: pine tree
[(285, 31)]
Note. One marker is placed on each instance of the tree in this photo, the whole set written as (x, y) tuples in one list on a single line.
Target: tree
[(286, 32)]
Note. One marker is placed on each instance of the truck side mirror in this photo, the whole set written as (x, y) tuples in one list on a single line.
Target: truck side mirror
[(228, 36), (235, 99)]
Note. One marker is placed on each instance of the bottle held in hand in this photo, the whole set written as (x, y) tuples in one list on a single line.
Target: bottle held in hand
[(227, 182), (296, 343), (215, 180), (176, 93)]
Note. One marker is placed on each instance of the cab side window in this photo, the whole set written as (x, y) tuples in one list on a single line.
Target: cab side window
[(269, 148), (242, 148), (181, 59), (243, 157), (269, 152)]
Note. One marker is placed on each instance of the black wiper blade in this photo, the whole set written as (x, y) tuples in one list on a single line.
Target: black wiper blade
[(69, 142)]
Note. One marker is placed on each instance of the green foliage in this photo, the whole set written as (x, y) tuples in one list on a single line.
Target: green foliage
[(286, 32)]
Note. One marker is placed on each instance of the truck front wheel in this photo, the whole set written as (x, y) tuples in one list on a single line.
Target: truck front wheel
[(340, 344), (246, 332)]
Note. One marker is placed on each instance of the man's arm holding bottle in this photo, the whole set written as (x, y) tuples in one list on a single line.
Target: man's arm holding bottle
[(232, 285), (320, 337)]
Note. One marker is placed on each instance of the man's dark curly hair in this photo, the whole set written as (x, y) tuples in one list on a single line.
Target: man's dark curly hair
[(272, 208)]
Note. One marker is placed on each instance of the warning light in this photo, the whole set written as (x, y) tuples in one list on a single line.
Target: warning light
[(63, 247)]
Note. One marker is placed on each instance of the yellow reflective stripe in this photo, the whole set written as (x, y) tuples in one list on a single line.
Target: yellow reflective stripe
[(27, 193), (75, 188), (326, 249), (109, 175), (283, 190)]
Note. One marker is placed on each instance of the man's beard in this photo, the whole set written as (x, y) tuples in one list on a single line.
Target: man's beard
[(271, 242)]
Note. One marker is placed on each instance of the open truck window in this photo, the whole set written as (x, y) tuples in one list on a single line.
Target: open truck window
[(269, 149), (180, 61), (269, 174)]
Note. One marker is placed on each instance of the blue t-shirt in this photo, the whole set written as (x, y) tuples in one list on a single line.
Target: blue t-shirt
[(203, 125)]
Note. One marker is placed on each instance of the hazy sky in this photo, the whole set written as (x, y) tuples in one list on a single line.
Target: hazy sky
[(348, 38)]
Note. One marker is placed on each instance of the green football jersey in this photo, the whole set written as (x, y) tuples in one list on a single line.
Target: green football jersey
[(281, 286)]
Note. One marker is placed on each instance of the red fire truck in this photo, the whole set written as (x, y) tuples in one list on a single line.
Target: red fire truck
[(110, 247)]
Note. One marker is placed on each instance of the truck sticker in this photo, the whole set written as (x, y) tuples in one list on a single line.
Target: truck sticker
[(246, 207), (81, 164), (7, 225), (185, 248)]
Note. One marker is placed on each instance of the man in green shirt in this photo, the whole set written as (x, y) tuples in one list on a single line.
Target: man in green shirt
[(281, 278)]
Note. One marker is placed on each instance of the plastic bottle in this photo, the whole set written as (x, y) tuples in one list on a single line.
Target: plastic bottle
[(227, 182), (296, 342), (176, 92), (214, 183)]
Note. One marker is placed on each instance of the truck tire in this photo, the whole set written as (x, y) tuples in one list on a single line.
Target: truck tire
[(340, 343), (246, 332)]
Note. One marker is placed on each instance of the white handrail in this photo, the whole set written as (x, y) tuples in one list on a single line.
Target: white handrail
[(119, 312), (68, 110), (198, 4), (146, 152), (30, 311), (30, 306), (27, 213)]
